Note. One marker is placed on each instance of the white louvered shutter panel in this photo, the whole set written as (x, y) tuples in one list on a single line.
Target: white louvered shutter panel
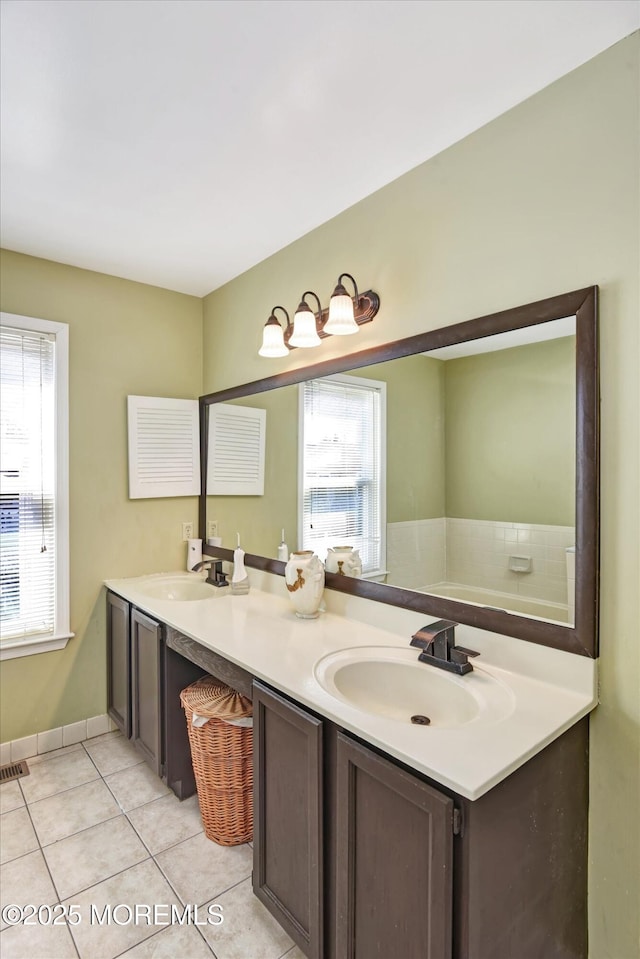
[(164, 447), (236, 450)]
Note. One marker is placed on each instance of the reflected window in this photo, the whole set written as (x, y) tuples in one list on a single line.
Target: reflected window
[(342, 467)]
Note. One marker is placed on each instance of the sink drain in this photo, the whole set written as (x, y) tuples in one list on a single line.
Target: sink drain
[(419, 720)]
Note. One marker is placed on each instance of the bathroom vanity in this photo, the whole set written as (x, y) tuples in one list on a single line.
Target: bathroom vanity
[(466, 838), (357, 856)]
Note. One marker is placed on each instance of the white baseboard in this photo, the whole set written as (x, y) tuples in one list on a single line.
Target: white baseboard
[(50, 739)]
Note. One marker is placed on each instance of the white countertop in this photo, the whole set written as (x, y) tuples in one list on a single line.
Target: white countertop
[(260, 632)]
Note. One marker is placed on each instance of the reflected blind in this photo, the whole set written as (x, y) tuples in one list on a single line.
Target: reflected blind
[(342, 467), (27, 484)]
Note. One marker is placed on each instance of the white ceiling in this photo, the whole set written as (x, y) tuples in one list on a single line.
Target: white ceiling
[(179, 142)]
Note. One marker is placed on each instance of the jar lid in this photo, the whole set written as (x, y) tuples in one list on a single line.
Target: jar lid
[(208, 697)]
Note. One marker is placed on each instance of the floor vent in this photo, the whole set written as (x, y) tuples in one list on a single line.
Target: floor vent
[(13, 771)]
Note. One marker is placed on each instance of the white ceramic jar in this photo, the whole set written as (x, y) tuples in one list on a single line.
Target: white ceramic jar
[(304, 576), (344, 560)]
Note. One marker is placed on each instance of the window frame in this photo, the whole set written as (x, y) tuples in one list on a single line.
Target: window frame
[(33, 644), (380, 388)]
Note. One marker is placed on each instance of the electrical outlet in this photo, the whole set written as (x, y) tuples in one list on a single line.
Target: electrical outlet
[(212, 528), (187, 531)]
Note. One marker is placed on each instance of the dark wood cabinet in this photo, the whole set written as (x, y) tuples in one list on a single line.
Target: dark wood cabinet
[(148, 666), (119, 663), (146, 688), (135, 679), (394, 860), (288, 817), (359, 857)]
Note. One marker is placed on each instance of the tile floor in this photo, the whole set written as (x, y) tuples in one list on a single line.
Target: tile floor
[(92, 827)]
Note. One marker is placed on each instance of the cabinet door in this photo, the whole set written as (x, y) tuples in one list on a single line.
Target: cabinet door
[(146, 653), (287, 852), (394, 860), (119, 663)]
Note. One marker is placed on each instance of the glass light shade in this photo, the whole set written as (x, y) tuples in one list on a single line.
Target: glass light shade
[(273, 344), (341, 321), (304, 329)]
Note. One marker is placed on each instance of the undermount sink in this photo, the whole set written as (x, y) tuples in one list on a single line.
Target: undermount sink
[(390, 682), (178, 588)]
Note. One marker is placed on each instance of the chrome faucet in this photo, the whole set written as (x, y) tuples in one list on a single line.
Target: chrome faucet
[(438, 643), (215, 576)]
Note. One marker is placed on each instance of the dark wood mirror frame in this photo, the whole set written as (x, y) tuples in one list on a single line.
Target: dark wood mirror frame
[(581, 638)]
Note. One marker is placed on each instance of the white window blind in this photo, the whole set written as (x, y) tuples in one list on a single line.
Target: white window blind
[(342, 466), (34, 603)]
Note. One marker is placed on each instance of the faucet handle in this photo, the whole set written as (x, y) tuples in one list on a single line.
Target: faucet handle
[(438, 644), (442, 629)]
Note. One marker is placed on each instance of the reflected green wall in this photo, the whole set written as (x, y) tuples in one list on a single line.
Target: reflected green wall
[(415, 471), (510, 434), (124, 338), (415, 437), (488, 437), (260, 519)]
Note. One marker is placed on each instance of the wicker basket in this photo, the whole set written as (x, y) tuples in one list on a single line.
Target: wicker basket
[(222, 759)]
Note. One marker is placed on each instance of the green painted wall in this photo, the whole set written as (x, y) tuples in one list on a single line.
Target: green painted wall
[(124, 338), (510, 434), (542, 200)]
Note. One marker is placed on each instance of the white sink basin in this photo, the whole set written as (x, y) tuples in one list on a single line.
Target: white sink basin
[(390, 682), (179, 588)]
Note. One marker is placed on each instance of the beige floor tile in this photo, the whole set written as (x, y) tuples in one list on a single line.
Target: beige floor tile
[(199, 869), (141, 885), (17, 837), (26, 880), (136, 786), (37, 942), (52, 776), (112, 752), (68, 812), (294, 953), (248, 930), (10, 796), (167, 821), (176, 941), (93, 855)]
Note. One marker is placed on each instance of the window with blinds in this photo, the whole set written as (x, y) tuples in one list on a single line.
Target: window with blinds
[(342, 467), (34, 605)]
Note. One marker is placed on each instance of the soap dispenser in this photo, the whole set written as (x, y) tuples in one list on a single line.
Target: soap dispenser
[(239, 577), (283, 550)]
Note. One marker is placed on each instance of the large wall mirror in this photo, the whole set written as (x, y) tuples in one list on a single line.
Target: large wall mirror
[(462, 463)]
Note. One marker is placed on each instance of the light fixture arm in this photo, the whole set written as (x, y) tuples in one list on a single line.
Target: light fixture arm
[(273, 311), (341, 290), (318, 315)]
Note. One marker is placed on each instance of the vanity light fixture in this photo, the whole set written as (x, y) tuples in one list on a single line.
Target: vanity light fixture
[(273, 344), (344, 316), (305, 333)]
